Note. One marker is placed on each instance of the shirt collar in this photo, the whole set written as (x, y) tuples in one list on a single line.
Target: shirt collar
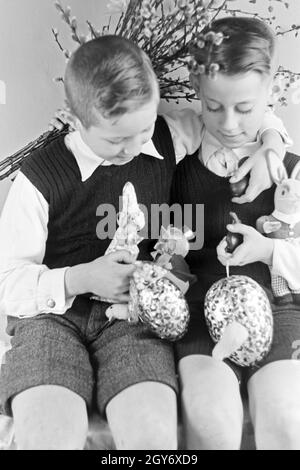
[(210, 145), (88, 161)]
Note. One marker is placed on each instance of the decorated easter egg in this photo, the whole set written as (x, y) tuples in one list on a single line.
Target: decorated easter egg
[(238, 188), (233, 240), (158, 302), (239, 318)]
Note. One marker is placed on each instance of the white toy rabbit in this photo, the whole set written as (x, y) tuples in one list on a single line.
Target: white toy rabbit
[(284, 222)]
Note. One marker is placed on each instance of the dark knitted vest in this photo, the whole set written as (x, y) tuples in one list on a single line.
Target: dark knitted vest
[(73, 220), (194, 183)]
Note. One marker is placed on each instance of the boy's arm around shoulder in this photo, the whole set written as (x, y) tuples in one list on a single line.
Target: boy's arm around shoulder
[(273, 134)]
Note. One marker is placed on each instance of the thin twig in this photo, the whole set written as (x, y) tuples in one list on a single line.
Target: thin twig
[(282, 33), (55, 34)]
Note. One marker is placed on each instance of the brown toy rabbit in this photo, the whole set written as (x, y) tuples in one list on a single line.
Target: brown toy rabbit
[(284, 222)]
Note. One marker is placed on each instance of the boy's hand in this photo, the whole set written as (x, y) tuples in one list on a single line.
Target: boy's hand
[(257, 165), (255, 247), (260, 179), (61, 118), (107, 276)]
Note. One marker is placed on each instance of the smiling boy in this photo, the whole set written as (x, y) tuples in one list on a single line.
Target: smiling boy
[(233, 107)]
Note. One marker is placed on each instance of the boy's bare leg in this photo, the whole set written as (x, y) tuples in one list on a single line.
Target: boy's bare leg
[(274, 395), (144, 416), (49, 417), (211, 404)]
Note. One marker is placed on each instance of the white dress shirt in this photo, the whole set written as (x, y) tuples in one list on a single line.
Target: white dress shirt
[(28, 287)]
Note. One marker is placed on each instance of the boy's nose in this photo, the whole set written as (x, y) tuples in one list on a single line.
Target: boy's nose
[(134, 146), (230, 122)]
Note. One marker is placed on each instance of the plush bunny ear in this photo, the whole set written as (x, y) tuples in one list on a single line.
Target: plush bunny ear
[(276, 167), (296, 172)]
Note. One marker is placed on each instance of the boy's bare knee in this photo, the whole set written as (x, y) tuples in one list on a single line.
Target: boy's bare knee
[(157, 433), (160, 431), (274, 394), (207, 411), (277, 425), (212, 413), (49, 418), (144, 416), (286, 417), (149, 430), (62, 439)]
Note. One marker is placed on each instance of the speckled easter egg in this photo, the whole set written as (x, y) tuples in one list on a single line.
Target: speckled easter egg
[(158, 302), (241, 299)]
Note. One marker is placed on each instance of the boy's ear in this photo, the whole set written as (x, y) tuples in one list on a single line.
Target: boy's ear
[(75, 123), (195, 82)]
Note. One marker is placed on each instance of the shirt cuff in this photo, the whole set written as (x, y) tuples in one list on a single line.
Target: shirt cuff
[(271, 121), (51, 295), (283, 133), (286, 262)]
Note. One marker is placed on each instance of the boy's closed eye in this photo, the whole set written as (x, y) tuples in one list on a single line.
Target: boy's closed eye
[(239, 109)]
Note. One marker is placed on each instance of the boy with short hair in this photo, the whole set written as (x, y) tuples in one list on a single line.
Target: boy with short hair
[(233, 107), (52, 261), (58, 369)]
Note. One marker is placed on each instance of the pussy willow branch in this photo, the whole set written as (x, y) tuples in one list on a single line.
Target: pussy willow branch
[(232, 12), (291, 30), (187, 96), (119, 22), (219, 9), (288, 72), (55, 34), (11, 164), (169, 34), (173, 31), (132, 6), (92, 30)]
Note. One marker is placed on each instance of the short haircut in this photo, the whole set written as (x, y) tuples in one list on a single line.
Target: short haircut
[(109, 75), (248, 45)]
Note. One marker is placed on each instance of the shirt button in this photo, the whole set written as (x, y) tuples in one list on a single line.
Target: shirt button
[(51, 303)]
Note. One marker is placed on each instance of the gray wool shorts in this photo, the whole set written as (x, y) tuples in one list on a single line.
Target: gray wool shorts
[(80, 351)]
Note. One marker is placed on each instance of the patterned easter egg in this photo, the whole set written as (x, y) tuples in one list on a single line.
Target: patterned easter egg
[(158, 302), (240, 299)]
